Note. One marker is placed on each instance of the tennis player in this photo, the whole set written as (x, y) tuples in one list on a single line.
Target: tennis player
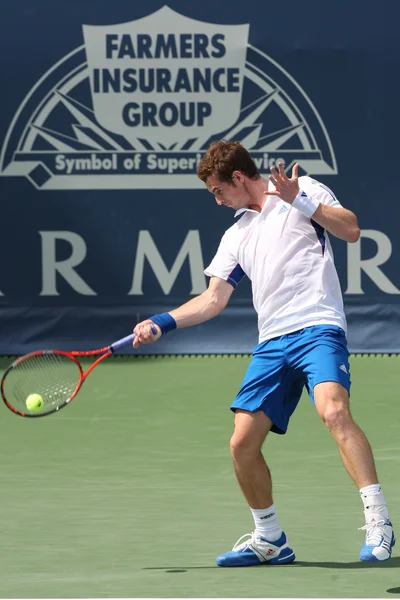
[(281, 243)]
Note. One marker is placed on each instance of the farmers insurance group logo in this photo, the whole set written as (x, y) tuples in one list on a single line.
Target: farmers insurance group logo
[(138, 104)]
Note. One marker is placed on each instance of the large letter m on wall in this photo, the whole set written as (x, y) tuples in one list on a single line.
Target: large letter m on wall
[(191, 249)]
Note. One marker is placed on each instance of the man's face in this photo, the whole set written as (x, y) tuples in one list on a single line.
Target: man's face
[(229, 193)]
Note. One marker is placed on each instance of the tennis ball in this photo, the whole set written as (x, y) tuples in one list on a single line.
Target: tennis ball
[(34, 402)]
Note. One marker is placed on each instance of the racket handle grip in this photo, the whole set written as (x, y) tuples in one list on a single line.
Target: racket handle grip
[(126, 341)]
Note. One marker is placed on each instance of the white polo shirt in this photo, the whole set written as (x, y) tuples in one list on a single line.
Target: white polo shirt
[(289, 260)]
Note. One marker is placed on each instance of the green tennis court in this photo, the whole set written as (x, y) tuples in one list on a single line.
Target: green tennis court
[(129, 492)]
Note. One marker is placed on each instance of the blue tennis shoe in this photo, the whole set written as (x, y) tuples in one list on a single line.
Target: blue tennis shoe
[(257, 551), (379, 540)]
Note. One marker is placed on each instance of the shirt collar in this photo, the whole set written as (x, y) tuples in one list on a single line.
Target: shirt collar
[(251, 210), (243, 210)]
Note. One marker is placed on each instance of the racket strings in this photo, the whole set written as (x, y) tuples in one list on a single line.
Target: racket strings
[(53, 376)]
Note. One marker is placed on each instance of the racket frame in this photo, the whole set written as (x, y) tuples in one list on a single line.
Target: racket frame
[(102, 354)]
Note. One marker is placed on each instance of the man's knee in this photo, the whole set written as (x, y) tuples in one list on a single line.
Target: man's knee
[(250, 432), (336, 417), (332, 403), (242, 445)]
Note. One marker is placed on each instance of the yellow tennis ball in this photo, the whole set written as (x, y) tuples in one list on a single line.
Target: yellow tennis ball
[(34, 402)]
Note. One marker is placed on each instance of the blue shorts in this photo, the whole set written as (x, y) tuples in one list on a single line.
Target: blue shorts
[(282, 366)]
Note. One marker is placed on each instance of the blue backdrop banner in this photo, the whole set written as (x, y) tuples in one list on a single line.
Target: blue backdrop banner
[(108, 109)]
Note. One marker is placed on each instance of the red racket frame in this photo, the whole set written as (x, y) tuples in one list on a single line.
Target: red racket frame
[(103, 352)]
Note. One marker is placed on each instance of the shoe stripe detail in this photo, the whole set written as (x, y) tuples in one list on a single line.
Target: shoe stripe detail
[(260, 557), (286, 557)]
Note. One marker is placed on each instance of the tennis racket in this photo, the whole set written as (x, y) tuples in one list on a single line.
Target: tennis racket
[(54, 375)]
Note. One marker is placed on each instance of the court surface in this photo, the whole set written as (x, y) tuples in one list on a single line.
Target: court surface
[(129, 491)]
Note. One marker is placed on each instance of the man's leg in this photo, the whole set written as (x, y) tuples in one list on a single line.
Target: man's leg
[(266, 400), (267, 543), (251, 470), (332, 403)]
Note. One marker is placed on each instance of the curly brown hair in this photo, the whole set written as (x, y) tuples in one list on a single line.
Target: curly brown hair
[(223, 158)]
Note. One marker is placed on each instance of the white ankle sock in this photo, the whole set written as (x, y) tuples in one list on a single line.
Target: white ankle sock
[(266, 522), (374, 501)]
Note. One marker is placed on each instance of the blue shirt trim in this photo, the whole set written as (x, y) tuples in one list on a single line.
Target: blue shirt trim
[(235, 276), (320, 231)]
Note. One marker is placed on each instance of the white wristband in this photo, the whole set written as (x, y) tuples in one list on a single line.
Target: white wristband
[(305, 204)]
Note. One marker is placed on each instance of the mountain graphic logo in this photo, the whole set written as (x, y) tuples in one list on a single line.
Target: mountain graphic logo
[(137, 104)]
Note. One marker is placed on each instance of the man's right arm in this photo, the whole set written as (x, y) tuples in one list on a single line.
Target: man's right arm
[(198, 310)]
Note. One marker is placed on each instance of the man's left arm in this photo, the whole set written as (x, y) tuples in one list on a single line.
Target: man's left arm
[(337, 220)]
